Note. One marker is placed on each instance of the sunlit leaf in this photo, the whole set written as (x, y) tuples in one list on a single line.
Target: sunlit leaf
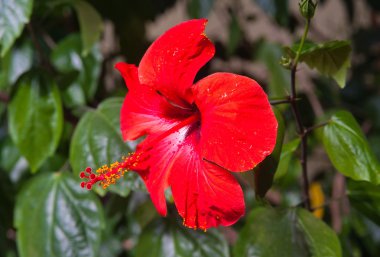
[(348, 148), (36, 118), (56, 217), (14, 14)]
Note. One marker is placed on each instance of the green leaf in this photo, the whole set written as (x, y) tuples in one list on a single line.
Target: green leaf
[(97, 141), (279, 78), (55, 217), (67, 59), (330, 59), (9, 154), (14, 14), (286, 233), (91, 24), (348, 148), (286, 155), (341, 75), (14, 64), (171, 240), (365, 198), (35, 118), (199, 8), (265, 171)]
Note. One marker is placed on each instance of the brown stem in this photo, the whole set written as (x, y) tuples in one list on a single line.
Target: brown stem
[(302, 131)]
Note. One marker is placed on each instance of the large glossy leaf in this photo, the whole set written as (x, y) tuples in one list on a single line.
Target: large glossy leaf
[(35, 118), (330, 58), (348, 148), (56, 217), (90, 24), (365, 198), (286, 233), (67, 59), (97, 141), (171, 240), (14, 14), (265, 171)]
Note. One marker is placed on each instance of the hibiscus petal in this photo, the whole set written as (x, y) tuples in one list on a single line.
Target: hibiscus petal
[(205, 194), (238, 126), (144, 111), (172, 61), (157, 164), (129, 72)]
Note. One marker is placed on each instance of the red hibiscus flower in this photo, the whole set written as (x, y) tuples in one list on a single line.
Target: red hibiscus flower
[(195, 134)]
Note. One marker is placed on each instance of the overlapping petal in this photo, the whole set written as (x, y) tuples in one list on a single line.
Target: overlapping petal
[(204, 194), (238, 127), (172, 61), (144, 111), (158, 164)]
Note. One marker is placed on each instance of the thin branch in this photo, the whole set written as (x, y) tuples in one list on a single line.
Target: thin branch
[(279, 101), (302, 131), (310, 129), (282, 101)]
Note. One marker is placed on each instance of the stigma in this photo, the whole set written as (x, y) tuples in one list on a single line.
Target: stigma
[(108, 175)]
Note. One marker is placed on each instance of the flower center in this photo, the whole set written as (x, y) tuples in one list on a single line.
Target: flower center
[(109, 174)]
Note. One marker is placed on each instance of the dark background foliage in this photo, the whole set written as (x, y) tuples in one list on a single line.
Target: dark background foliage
[(60, 99)]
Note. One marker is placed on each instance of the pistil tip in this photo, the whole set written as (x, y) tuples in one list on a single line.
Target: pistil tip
[(108, 175)]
